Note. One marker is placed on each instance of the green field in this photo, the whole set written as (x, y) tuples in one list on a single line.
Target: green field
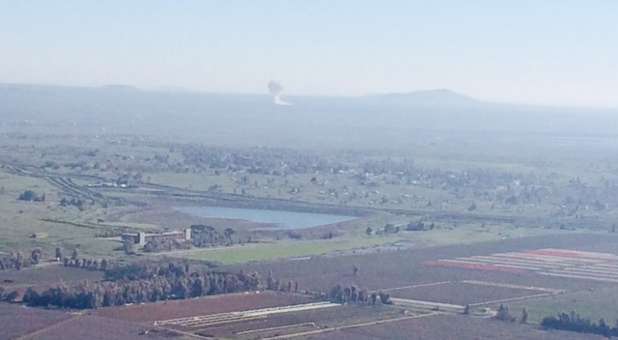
[(22, 220), (592, 304), (284, 249), (289, 248)]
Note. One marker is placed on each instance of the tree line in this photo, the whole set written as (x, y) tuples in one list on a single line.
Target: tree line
[(208, 236), (160, 245), (354, 295), (75, 261), (146, 270), (202, 236), (167, 282), (575, 323), (90, 264), (15, 260), (277, 285)]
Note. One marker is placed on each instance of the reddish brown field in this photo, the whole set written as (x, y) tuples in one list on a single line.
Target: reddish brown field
[(97, 328), (450, 327), (475, 266), (563, 263), (555, 252), (16, 320), (201, 306), (460, 293)]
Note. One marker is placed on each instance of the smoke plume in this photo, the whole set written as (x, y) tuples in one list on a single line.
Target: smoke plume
[(275, 90)]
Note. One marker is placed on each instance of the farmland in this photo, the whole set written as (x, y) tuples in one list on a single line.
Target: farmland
[(594, 304), (92, 327), (451, 327), (36, 319), (428, 299), (442, 241), (356, 243), (203, 306), (254, 315), (468, 292), (551, 262), (405, 267), (423, 296)]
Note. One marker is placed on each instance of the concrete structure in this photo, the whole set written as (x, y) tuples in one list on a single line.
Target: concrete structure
[(141, 238)]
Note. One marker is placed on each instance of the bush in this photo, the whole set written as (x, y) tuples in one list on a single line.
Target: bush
[(31, 196), (575, 323)]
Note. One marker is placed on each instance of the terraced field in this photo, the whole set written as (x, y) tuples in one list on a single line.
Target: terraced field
[(564, 263)]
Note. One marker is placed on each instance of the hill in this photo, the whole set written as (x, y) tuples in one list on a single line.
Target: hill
[(395, 120), (428, 98)]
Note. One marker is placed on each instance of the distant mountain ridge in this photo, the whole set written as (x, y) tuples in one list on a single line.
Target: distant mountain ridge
[(435, 97), (390, 120)]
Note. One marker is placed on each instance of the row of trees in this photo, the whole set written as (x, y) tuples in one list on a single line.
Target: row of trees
[(60, 254), (277, 285), (159, 245), (175, 283), (74, 202), (15, 260), (75, 261), (90, 264), (419, 226), (575, 323), (202, 236), (208, 236), (353, 295), (147, 270), (393, 229)]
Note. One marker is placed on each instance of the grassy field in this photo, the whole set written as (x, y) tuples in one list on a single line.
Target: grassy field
[(21, 221), (268, 186), (593, 304), (200, 182), (471, 233), (284, 249), (289, 248)]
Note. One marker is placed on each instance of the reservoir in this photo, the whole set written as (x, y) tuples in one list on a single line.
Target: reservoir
[(281, 218)]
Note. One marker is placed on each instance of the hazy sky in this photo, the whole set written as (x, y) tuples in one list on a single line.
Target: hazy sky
[(539, 51)]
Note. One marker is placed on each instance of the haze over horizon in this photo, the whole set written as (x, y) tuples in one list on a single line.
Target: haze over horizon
[(517, 52)]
